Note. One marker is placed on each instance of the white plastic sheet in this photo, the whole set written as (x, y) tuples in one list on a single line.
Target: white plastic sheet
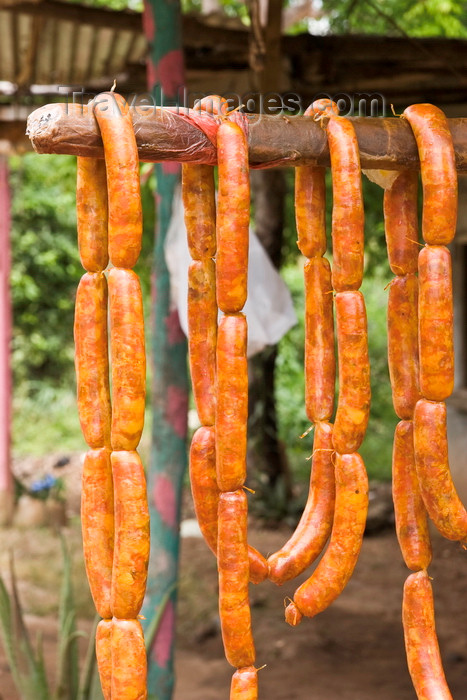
[(269, 309)]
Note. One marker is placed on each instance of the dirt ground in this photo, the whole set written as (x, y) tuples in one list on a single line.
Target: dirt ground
[(353, 651)]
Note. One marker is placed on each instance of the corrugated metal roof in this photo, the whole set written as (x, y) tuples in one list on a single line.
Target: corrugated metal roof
[(52, 43)]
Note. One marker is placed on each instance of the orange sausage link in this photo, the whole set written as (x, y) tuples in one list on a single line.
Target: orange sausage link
[(338, 562), (435, 318), (129, 665), (92, 359), (421, 643), (232, 402), (121, 159), (310, 195), (131, 552), (320, 360), (202, 337), (354, 373), (244, 684), (401, 223), (97, 523), (232, 562), (315, 525), (91, 213), (403, 344), (233, 218), (432, 463), (438, 170), (128, 359), (206, 497), (347, 211), (200, 210), (104, 656), (310, 210), (410, 512)]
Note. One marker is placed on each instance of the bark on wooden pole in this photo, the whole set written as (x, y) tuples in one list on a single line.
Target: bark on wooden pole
[(385, 143)]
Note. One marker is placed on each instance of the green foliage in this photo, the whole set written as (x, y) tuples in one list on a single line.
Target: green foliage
[(45, 266), (446, 18), (26, 660)]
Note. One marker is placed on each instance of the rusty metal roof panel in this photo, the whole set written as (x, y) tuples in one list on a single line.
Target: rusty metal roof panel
[(50, 43)]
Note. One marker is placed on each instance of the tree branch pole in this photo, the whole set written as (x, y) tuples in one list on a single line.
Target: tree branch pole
[(385, 143)]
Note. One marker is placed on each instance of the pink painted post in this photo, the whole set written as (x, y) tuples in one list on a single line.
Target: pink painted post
[(6, 479)]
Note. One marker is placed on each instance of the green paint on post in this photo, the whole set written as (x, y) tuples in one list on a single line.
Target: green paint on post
[(170, 377)]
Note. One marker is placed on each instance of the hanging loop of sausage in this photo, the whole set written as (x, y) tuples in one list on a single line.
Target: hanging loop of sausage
[(115, 518), (313, 530), (233, 555), (200, 221)]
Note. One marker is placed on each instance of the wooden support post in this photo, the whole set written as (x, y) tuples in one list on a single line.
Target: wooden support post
[(6, 480)]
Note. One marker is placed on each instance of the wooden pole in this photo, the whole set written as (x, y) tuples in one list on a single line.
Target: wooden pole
[(169, 393), (6, 480), (385, 143)]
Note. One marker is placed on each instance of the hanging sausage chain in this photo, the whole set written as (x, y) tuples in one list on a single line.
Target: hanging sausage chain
[(420, 354), (421, 474), (115, 516)]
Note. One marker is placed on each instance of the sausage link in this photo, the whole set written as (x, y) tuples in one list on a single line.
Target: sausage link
[(97, 522), (200, 209), (320, 361), (401, 223), (403, 344), (131, 552), (310, 195), (232, 402), (233, 218), (435, 318), (128, 359), (232, 562), (432, 463), (347, 212), (91, 213), (202, 337), (244, 684), (92, 359), (104, 656), (354, 373), (310, 210), (315, 525), (129, 665), (338, 562), (121, 159), (421, 642), (410, 512), (438, 170), (206, 497)]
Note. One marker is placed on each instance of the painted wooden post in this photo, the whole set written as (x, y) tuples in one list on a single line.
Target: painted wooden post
[(169, 366), (6, 480)]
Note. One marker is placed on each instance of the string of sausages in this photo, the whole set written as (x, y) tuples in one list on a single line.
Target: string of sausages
[(115, 518), (420, 348), (314, 527), (421, 364), (351, 483)]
